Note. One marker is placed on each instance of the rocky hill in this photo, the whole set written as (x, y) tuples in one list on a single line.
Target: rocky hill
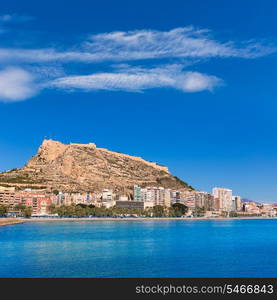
[(85, 167)]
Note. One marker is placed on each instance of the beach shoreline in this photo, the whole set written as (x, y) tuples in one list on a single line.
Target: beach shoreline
[(14, 221), (144, 219), (11, 221)]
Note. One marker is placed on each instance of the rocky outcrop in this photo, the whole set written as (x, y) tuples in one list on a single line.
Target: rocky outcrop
[(85, 167)]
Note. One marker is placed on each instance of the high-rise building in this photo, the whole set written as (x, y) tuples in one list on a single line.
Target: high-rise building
[(188, 199), (216, 204), (156, 195), (194, 199), (164, 197), (225, 198), (137, 193), (175, 197), (236, 203)]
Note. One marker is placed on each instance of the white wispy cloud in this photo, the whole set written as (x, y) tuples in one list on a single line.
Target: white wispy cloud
[(14, 18), (16, 84), (34, 69), (7, 19), (186, 42), (135, 79), (16, 55), (178, 43)]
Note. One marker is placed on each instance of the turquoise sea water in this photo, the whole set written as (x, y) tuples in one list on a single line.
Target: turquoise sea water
[(208, 248)]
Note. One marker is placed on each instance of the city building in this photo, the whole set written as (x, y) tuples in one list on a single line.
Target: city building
[(134, 204), (137, 193), (156, 195), (60, 199), (175, 197), (269, 210), (221, 200), (236, 203), (9, 196), (216, 204), (121, 198), (225, 198), (107, 195), (194, 199), (188, 199), (37, 200), (251, 208)]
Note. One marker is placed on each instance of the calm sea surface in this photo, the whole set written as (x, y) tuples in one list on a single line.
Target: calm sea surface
[(220, 248)]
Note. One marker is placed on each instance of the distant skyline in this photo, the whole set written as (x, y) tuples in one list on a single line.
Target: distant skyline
[(187, 84)]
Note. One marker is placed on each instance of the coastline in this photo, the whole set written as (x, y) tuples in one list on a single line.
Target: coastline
[(144, 219), (11, 221)]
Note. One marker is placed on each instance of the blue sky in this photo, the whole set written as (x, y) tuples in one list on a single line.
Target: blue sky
[(189, 84)]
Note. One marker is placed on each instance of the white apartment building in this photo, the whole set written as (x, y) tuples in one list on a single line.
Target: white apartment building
[(225, 198), (156, 195), (107, 195)]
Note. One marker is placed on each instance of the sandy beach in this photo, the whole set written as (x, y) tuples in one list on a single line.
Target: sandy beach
[(10, 221), (142, 219)]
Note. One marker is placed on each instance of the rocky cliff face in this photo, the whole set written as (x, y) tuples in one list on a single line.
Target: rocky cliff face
[(84, 167)]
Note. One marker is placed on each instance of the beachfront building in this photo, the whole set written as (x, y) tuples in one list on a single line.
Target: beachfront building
[(175, 197), (137, 193), (80, 198), (204, 200), (156, 195), (107, 195), (194, 199), (8, 196), (188, 199), (107, 198), (37, 200), (251, 208), (59, 199), (216, 204), (224, 197), (236, 203), (134, 204), (269, 210)]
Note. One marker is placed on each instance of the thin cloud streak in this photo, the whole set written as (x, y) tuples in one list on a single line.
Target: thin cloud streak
[(186, 42), (14, 18), (179, 43), (138, 79), (8, 55), (18, 84)]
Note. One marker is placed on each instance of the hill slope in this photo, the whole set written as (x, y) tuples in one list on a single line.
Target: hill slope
[(84, 167)]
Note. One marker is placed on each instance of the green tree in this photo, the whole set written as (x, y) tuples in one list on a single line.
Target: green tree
[(52, 209), (22, 209), (199, 211), (26, 212), (158, 211), (179, 209), (3, 210)]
